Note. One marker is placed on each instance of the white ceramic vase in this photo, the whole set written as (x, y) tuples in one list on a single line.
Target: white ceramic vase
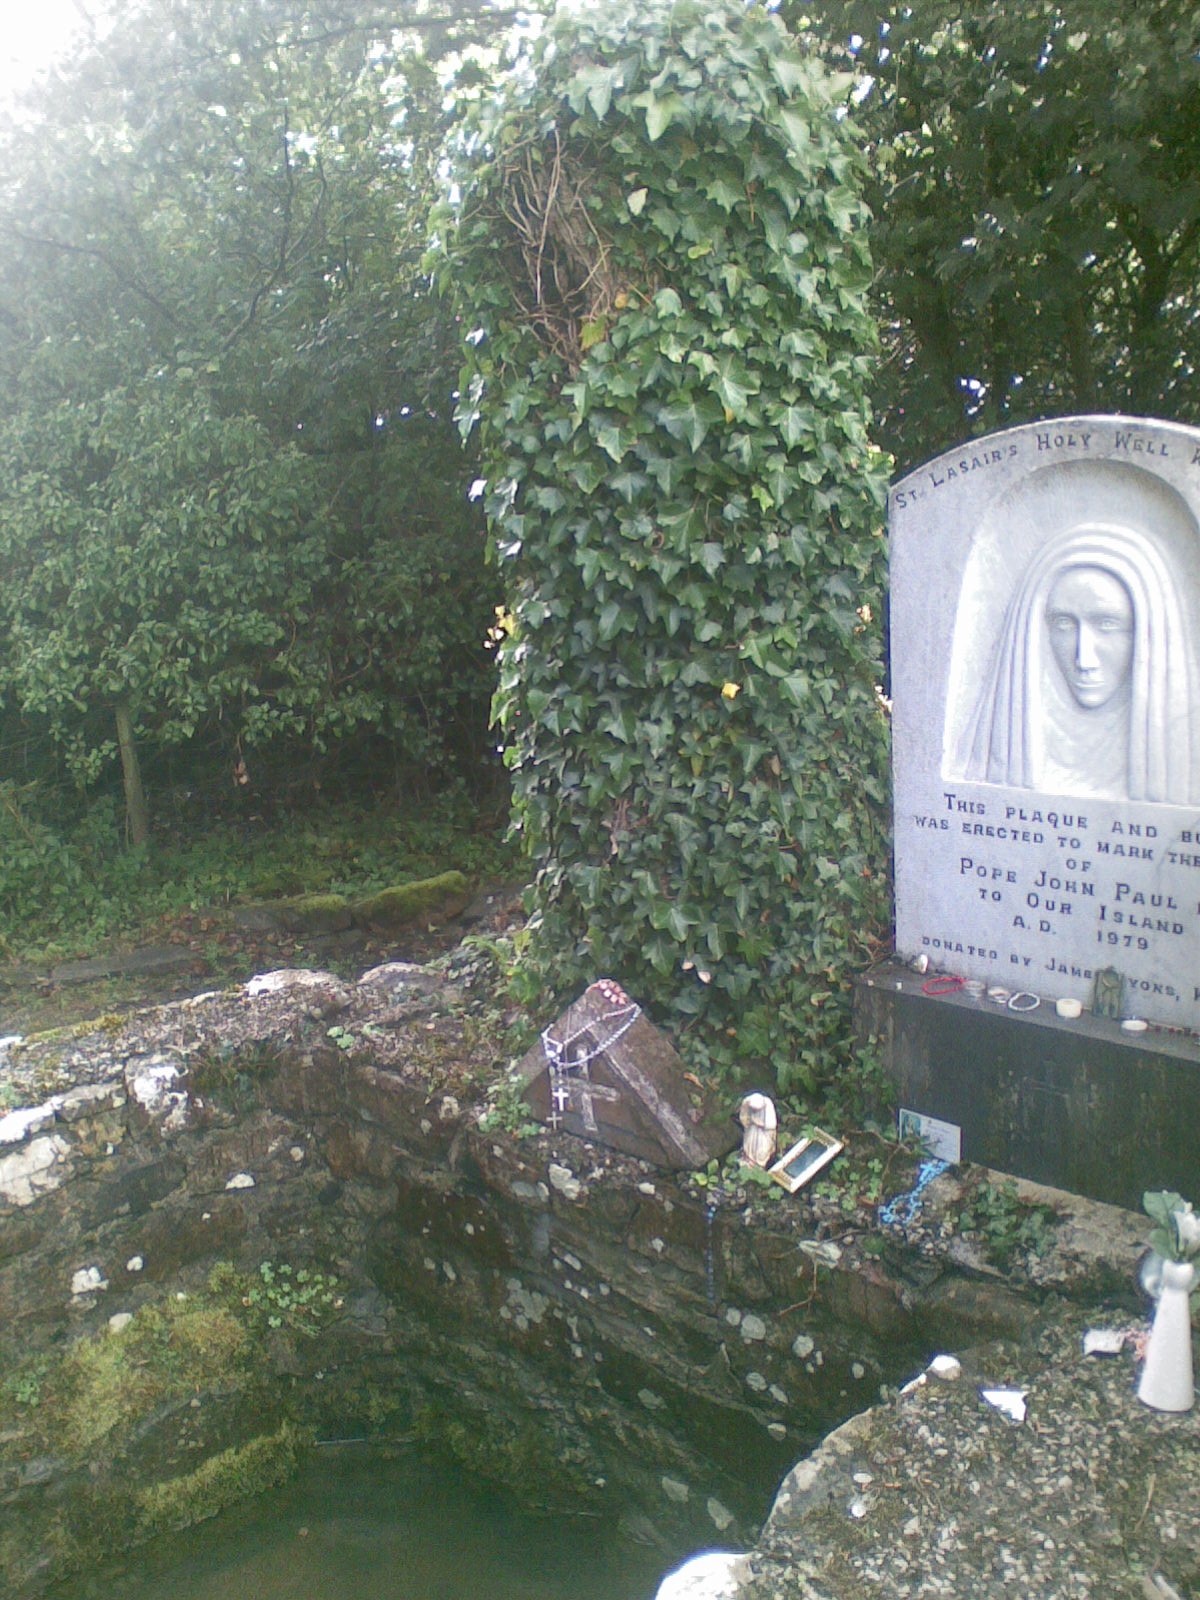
[(1166, 1381)]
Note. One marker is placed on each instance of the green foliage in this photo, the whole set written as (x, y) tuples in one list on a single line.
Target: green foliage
[(297, 1300), (1006, 1225), (71, 887), (1176, 1231), (24, 1386), (854, 1183), (507, 1111), (661, 254), (734, 1174), (863, 1095), (233, 494), (111, 1381), (1036, 225), (174, 576)]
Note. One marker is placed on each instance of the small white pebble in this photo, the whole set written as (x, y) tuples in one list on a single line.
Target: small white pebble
[(134, 1264), (240, 1180), (948, 1368)]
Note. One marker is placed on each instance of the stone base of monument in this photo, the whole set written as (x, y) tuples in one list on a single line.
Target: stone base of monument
[(1079, 1104)]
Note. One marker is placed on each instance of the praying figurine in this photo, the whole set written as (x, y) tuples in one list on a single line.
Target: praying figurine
[(757, 1117), (1108, 993)]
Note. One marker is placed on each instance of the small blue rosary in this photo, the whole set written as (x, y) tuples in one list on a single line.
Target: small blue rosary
[(889, 1215)]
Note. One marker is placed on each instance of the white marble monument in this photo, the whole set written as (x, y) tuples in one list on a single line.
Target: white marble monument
[(1045, 626)]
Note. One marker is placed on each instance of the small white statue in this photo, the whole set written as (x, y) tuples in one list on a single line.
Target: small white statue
[(757, 1117)]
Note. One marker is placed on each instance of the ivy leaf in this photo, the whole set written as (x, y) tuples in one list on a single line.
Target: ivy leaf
[(636, 201), (711, 557), (611, 442), (790, 72), (660, 113), (690, 417), (609, 624), (843, 207), (797, 130), (593, 333), (734, 385), (795, 422)]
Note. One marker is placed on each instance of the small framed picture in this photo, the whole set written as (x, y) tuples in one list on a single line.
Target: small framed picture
[(804, 1160)]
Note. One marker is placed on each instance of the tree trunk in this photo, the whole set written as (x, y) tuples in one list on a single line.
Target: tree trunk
[(136, 816)]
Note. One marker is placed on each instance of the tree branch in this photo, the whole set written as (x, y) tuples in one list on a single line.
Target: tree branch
[(66, 248)]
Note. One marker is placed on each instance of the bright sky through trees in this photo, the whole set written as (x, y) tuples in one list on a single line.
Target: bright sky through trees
[(31, 39)]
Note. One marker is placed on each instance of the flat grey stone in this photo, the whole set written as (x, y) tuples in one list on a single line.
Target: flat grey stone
[(151, 962), (395, 976)]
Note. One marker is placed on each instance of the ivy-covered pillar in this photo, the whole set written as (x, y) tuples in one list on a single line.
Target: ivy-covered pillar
[(660, 253)]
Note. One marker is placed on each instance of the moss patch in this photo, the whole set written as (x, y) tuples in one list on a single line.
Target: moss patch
[(312, 913), (109, 1382), (219, 1482), (442, 896)]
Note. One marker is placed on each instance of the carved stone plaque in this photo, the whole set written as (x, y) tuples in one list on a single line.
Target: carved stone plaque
[(1045, 624), (603, 1072)]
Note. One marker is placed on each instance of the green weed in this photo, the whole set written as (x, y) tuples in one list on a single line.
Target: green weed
[(296, 1300), (1006, 1225), (507, 1112), (65, 889)]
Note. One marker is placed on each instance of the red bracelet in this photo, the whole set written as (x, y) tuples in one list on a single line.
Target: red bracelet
[(944, 983)]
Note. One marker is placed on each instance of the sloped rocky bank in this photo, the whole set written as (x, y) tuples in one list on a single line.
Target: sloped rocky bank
[(243, 1221)]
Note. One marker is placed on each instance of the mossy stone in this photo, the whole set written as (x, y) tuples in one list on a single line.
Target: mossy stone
[(305, 913), (220, 1481), (437, 899)]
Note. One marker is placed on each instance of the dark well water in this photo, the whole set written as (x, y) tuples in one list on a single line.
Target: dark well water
[(356, 1526)]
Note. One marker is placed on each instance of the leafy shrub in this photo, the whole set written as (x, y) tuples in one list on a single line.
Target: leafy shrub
[(661, 256), (34, 859)]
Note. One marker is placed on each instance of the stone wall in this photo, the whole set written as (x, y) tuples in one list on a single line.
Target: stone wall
[(569, 1320)]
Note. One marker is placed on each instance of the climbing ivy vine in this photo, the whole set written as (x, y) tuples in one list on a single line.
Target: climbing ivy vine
[(660, 255)]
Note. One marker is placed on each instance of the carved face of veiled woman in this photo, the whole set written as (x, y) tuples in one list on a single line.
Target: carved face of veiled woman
[(1089, 616)]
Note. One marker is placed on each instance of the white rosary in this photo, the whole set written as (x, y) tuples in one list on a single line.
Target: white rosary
[(562, 1057)]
